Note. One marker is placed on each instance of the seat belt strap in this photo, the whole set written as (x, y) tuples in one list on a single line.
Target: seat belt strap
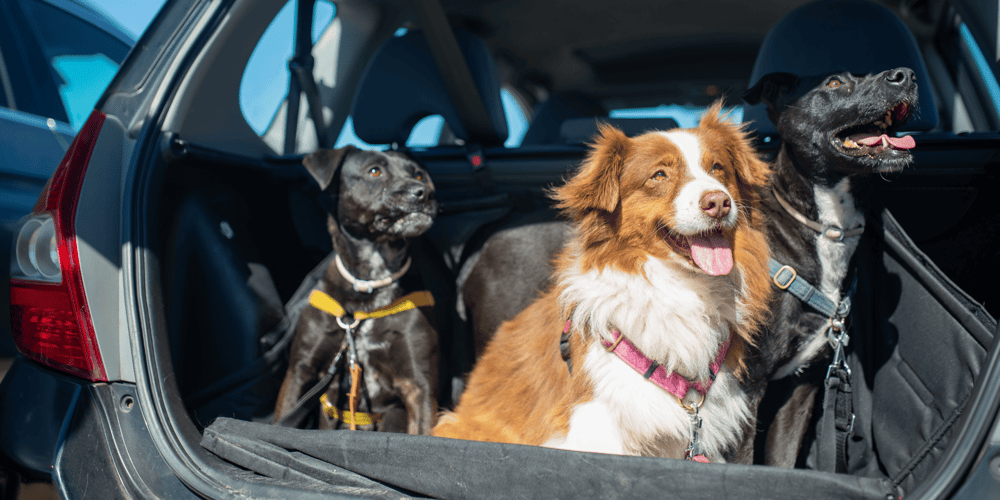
[(455, 73)]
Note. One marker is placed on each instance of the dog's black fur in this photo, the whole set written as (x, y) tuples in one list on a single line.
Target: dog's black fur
[(377, 201), (809, 112), (812, 116)]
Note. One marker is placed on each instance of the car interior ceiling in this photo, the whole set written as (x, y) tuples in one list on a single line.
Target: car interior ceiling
[(239, 232)]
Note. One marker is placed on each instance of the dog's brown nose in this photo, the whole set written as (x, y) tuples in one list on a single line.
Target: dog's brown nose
[(716, 204)]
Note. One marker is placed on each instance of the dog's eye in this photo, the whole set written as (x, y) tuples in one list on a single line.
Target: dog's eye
[(659, 175), (834, 84), (716, 168), (375, 171)]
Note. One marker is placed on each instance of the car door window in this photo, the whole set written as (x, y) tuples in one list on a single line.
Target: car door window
[(83, 58)]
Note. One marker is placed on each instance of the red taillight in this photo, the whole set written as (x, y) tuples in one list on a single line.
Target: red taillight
[(49, 315)]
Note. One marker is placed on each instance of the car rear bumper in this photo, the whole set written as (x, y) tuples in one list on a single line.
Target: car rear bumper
[(90, 439)]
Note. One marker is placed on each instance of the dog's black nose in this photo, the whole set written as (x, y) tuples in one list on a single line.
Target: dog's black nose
[(417, 192), (900, 76)]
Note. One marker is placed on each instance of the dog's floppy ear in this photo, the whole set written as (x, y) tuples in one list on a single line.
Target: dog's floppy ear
[(770, 88), (325, 163), (595, 185)]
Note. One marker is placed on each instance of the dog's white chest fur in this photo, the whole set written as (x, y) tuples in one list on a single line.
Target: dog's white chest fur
[(677, 317), (836, 207)]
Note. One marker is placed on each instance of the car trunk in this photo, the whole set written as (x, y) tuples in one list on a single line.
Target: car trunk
[(241, 240)]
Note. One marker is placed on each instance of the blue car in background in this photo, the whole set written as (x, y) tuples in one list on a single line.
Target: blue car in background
[(56, 58)]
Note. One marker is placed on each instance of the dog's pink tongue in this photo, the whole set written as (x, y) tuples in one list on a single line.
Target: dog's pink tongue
[(712, 253), (905, 142)]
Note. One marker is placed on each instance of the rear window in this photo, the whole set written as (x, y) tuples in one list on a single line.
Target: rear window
[(686, 116), (431, 130), (264, 86)]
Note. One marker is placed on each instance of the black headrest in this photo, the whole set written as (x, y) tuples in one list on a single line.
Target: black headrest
[(583, 130), (550, 115), (841, 35), (402, 85)]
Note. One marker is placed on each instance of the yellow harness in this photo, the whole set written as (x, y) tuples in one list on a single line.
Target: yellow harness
[(327, 304)]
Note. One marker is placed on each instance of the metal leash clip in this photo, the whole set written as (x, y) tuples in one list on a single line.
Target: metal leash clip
[(839, 339), (694, 450), (348, 329)]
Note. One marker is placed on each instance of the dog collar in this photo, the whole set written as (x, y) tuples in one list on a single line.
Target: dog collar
[(651, 370), (831, 232), (368, 286), (327, 304)]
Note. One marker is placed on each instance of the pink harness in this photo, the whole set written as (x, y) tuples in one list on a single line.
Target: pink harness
[(673, 383), (650, 369)]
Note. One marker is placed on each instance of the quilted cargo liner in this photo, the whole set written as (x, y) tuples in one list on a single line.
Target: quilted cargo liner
[(918, 343)]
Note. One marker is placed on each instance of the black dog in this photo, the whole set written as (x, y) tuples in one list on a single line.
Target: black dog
[(835, 129), (381, 200)]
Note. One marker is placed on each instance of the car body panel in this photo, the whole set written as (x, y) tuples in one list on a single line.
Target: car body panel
[(99, 243)]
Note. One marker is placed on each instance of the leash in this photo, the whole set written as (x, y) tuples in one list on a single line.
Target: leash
[(674, 383), (368, 286), (300, 411), (329, 305), (832, 433)]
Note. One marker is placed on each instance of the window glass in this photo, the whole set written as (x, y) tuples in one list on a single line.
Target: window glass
[(5, 85), (264, 86), (347, 136), (517, 123), (427, 132), (982, 66), (83, 57)]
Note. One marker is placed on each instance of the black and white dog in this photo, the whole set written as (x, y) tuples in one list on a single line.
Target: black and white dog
[(377, 202), (835, 130)]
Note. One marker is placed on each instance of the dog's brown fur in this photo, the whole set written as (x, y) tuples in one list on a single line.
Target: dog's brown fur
[(520, 390)]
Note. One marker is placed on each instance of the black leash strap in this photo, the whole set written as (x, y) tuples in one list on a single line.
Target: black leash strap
[(837, 423), (309, 401)]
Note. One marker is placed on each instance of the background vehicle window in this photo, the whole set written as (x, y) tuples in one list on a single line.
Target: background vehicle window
[(83, 58), (264, 86)]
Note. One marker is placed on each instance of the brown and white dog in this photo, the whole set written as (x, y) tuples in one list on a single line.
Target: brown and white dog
[(664, 276)]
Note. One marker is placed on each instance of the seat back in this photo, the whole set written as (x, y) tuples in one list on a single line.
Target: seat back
[(402, 86)]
